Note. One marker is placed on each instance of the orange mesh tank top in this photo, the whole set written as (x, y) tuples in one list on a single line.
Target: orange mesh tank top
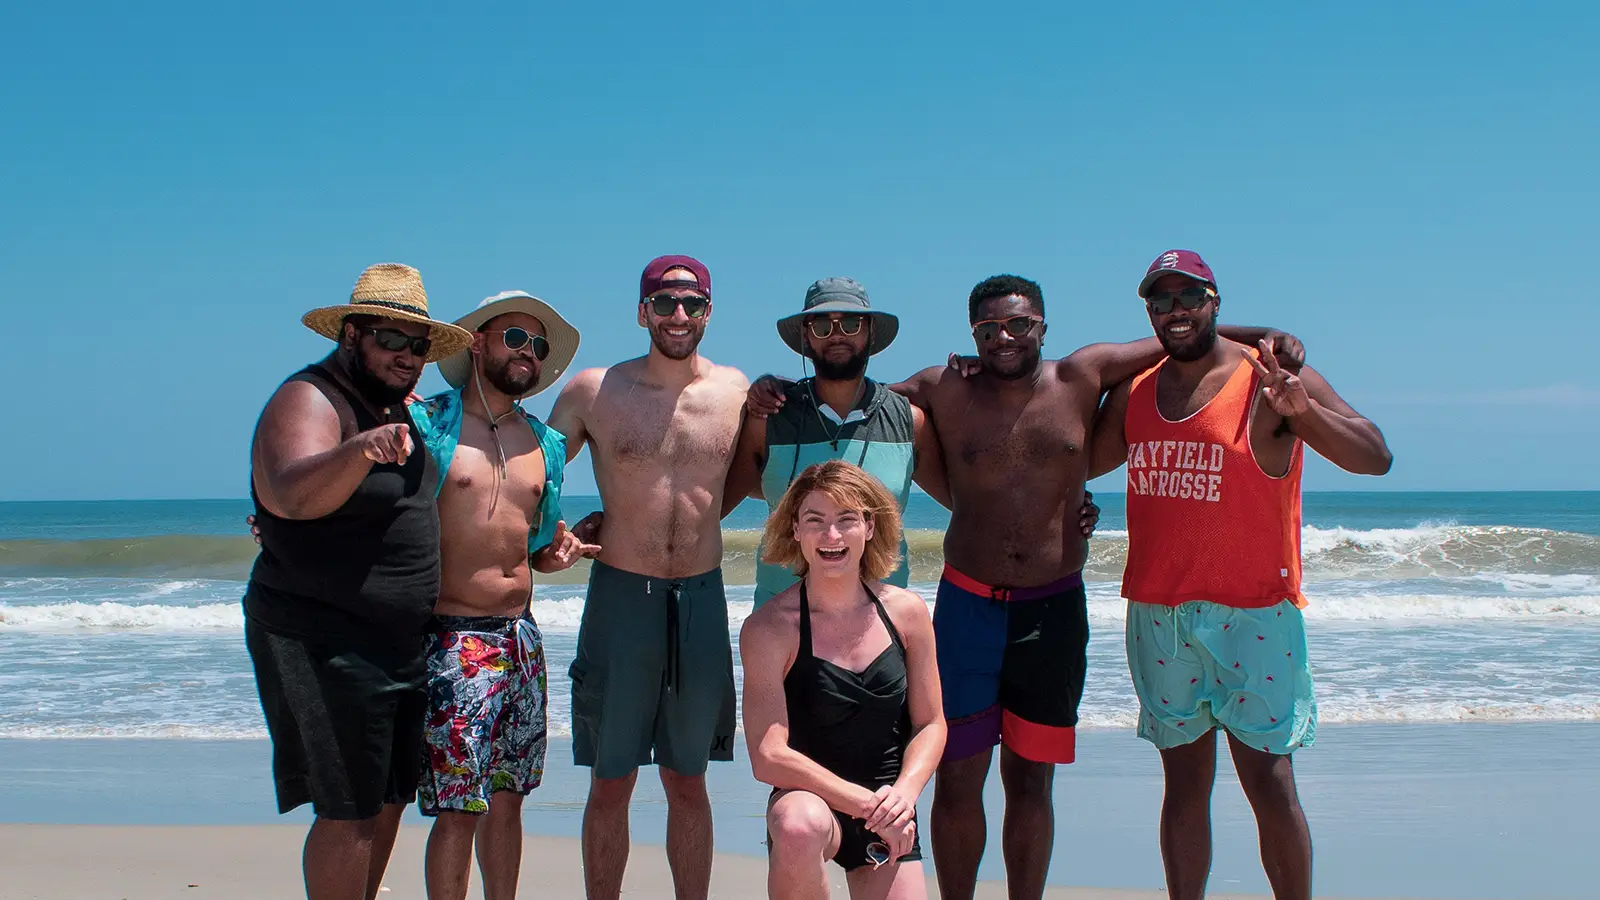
[(1204, 522)]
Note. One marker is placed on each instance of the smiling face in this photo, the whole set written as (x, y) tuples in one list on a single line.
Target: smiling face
[(676, 335), (511, 372), (1003, 354), (832, 537), (1187, 334), (385, 377)]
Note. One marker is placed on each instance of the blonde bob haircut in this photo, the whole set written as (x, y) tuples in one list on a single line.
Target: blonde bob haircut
[(851, 488)]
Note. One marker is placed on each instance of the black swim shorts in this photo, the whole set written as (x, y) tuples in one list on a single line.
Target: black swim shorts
[(345, 720)]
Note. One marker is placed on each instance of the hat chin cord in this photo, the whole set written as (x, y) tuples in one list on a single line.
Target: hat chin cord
[(494, 420)]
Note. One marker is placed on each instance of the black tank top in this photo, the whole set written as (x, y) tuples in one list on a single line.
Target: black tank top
[(371, 567), (855, 725)]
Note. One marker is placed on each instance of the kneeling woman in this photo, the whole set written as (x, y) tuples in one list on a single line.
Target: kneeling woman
[(841, 694)]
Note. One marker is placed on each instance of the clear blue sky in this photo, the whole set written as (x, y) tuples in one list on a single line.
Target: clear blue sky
[(1410, 188)]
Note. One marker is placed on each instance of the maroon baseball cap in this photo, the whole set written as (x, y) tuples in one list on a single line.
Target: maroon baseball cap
[(1177, 262), (653, 281)]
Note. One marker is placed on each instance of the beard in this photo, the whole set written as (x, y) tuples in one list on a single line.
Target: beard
[(512, 384), (848, 369), (1025, 364), (676, 348), (371, 386), (1205, 338)]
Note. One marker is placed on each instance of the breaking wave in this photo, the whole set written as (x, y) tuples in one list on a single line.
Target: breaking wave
[(1424, 551)]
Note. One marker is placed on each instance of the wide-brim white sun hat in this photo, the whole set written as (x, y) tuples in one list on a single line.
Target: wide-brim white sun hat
[(558, 331)]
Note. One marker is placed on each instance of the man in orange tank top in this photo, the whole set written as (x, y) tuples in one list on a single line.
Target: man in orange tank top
[(1010, 620), (1212, 440)]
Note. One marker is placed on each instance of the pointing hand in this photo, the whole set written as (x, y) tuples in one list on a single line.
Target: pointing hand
[(386, 443)]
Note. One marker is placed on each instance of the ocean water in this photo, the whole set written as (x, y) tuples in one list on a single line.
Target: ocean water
[(122, 619)]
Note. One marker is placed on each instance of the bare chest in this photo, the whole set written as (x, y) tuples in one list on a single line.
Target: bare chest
[(695, 429), (1177, 401), (852, 641), (475, 480), (1007, 437)]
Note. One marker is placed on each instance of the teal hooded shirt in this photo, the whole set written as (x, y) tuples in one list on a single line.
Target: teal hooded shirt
[(439, 420), (877, 436)]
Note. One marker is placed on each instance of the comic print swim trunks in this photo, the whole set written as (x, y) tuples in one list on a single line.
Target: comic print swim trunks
[(485, 729)]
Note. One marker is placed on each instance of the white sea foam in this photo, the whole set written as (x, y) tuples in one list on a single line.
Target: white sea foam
[(160, 730), (110, 616), (564, 615), (1438, 712), (1331, 711)]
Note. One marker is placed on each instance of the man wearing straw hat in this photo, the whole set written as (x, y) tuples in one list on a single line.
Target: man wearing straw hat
[(500, 519), (839, 414), (347, 577), (652, 679)]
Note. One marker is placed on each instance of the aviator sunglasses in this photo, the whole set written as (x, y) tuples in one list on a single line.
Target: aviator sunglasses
[(822, 326), (693, 307), (393, 339), (1190, 298), (1016, 326), (516, 338)]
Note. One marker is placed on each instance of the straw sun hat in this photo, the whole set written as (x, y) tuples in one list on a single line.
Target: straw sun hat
[(390, 291), (558, 331)]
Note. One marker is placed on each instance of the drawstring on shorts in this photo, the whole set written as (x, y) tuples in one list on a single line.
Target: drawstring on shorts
[(674, 673)]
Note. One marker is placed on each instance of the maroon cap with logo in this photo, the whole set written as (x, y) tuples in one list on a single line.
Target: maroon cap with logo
[(1177, 262), (653, 280)]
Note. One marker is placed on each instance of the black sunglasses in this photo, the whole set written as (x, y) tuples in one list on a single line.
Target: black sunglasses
[(822, 326), (393, 339), (1190, 298), (1016, 326), (693, 307), (516, 338)]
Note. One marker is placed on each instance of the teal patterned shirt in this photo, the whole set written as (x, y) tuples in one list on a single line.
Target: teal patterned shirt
[(439, 420)]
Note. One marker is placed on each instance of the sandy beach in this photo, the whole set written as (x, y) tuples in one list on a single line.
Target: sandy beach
[(246, 862), (1455, 812)]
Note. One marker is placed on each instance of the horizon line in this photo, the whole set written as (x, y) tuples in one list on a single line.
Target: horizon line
[(1103, 493)]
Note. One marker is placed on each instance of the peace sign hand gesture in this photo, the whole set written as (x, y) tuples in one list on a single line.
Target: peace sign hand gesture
[(1284, 392)]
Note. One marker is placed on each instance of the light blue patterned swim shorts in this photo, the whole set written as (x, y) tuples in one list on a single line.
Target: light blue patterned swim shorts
[(1202, 665)]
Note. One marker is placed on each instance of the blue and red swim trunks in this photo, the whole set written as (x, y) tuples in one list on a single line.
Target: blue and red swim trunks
[(1012, 662)]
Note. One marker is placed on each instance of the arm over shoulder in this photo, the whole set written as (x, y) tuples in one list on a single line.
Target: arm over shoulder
[(573, 408), (921, 387)]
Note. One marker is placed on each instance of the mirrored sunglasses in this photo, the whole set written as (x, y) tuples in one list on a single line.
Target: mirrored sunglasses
[(516, 338)]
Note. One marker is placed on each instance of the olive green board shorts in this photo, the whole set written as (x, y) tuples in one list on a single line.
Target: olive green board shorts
[(652, 680)]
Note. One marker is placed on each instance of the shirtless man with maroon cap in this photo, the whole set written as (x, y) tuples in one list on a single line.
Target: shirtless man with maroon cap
[(652, 680)]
